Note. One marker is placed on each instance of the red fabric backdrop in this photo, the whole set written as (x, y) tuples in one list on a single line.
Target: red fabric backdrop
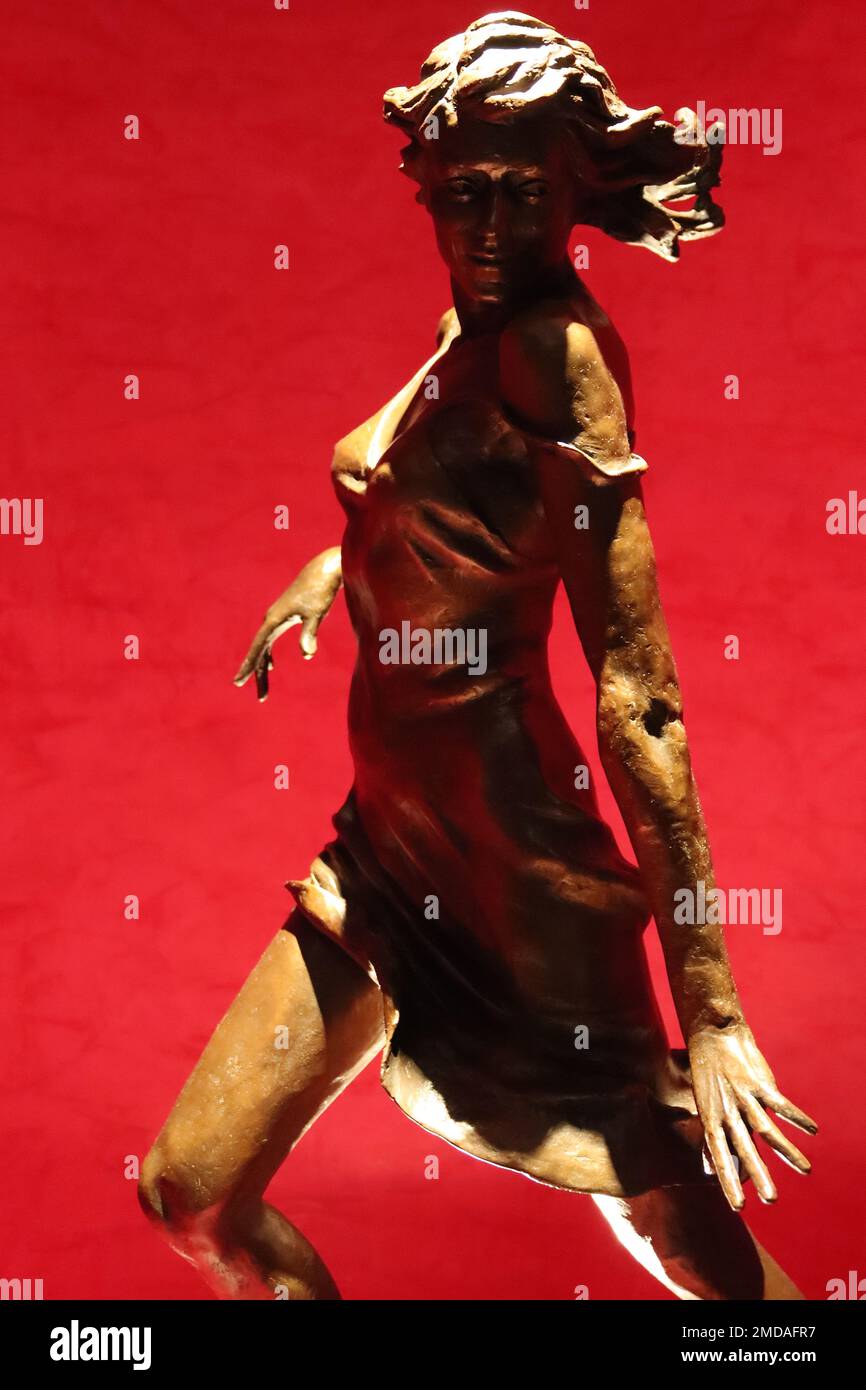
[(155, 777)]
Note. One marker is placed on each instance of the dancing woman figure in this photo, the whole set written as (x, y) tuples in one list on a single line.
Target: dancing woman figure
[(473, 918)]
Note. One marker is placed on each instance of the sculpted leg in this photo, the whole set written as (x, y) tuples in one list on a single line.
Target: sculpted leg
[(246, 1104), (692, 1242)]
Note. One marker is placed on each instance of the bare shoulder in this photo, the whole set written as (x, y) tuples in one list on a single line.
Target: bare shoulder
[(350, 452), (553, 370), (448, 327), (555, 377)]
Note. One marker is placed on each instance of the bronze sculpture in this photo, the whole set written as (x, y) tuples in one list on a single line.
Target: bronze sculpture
[(473, 914)]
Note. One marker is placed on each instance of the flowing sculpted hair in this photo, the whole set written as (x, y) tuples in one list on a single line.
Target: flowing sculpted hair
[(631, 164)]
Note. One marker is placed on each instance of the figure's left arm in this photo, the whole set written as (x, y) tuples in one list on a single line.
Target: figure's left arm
[(555, 383)]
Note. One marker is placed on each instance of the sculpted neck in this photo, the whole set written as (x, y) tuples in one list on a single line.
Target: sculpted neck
[(478, 316)]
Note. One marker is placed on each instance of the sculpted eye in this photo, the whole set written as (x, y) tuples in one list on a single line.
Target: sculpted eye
[(534, 190), (461, 190)]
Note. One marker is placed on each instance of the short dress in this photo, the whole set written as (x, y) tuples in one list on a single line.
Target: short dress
[(469, 876)]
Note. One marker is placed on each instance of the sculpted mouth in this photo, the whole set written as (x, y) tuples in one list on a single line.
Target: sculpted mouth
[(488, 258)]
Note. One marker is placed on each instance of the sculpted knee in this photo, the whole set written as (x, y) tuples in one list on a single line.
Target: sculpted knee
[(166, 1193)]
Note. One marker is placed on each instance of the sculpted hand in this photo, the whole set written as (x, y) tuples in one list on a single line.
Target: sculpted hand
[(733, 1085), (306, 601)]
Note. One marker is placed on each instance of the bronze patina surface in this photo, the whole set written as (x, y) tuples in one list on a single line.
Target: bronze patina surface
[(473, 916)]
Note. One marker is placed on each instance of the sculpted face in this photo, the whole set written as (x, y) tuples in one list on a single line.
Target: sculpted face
[(503, 201)]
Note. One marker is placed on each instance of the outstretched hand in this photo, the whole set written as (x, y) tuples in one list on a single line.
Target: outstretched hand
[(734, 1088), (305, 602)]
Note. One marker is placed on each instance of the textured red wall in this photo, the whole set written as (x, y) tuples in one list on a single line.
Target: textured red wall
[(154, 777)]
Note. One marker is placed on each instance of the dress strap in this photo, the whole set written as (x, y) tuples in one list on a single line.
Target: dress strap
[(597, 466)]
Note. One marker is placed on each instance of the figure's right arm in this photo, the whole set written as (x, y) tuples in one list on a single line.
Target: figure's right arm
[(306, 601), (308, 598)]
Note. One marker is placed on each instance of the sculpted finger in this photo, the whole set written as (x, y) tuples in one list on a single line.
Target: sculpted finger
[(760, 1122), (250, 661), (748, 1154), (259, 659), (787, 1110), (726, 1168), (308, 642), (265, 665)]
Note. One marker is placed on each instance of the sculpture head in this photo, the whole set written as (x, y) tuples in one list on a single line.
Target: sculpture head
[(517, 133)]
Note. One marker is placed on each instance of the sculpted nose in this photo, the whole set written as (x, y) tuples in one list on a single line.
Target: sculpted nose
[(495, 219)]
